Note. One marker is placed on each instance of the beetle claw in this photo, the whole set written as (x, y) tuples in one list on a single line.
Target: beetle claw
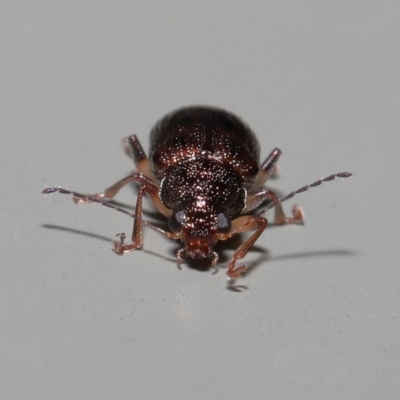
[(119, 247), (298, 215), (236, 273)]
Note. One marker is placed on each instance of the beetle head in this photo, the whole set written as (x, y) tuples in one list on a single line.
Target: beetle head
[(203, 195), (199, 224)]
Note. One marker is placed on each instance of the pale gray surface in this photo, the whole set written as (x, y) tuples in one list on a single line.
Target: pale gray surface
[(320, 316)]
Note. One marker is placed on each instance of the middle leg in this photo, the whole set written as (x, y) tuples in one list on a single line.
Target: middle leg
[(254, 200)]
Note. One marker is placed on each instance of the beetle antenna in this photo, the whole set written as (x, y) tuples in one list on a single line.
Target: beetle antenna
[(94, 199), (305, 188)]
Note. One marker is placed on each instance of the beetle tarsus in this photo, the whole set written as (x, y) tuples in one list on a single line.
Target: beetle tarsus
[(120, 248), (236, 273)]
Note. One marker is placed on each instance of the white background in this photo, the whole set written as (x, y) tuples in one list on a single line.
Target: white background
[(317, 318)]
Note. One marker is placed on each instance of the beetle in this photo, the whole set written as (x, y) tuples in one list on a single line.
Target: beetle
[(204, 174)]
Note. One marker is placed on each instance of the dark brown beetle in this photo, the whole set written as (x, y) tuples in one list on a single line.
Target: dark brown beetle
[(203, 173)]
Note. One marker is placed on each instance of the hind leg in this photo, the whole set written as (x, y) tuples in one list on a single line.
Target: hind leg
[(267, 168), (134, 149)]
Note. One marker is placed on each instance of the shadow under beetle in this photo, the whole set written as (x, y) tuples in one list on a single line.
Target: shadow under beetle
[(203, 173)]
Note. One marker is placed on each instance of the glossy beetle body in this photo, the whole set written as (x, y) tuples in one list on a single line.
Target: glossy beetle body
[(204, 174), (205, 158)]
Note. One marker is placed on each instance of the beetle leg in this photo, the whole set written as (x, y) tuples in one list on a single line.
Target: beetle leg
[(141, 162), (133, 148), (180, 255), (256, 199), (268, 167), (137, 233), (152, 190), (138, 177), (139, 156), (214, 262), (147, 186), (90, 198), (110, 192), (239, 225)]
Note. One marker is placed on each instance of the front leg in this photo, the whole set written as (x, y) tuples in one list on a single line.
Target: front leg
[(147, 186), (112, 191), (137, 233), (240, 225)]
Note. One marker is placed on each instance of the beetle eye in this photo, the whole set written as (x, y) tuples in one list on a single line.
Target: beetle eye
[(176, 220), (223, 222)]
